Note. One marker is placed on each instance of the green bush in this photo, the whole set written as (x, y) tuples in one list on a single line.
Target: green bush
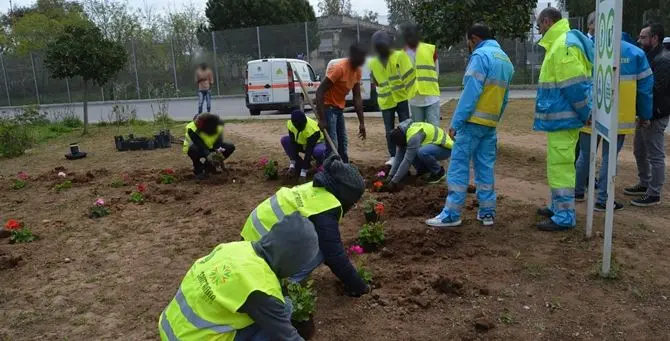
[(14, 139), (72, 121), (31, 116)]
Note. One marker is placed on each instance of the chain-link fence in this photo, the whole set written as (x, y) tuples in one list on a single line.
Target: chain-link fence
[(160, 69)]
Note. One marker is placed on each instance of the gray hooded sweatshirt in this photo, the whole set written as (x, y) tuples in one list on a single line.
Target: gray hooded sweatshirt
[(290, 244), (404, 156)]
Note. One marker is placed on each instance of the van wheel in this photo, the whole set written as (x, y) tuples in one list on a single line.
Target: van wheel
[(254, 112)]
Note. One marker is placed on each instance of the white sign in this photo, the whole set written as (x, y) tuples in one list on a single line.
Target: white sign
[(606, 70), (605, 111)]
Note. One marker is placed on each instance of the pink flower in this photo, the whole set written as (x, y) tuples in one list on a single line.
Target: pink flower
[(141, 188), (100, 202), (22, 176), (356, 249), (381, 174), (263, 162)]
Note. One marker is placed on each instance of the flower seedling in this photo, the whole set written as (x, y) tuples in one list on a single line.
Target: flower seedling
[(360, 259), (138, 195), (20, 181), (67, 184), (98, 210), (270, 168), (377, 186), (371, 235), (18, 232), (373, 210), (167, 176), (304, 300)]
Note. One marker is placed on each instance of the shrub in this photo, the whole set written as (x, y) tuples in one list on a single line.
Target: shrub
[(15, 139), (31, 116), (72, 121)]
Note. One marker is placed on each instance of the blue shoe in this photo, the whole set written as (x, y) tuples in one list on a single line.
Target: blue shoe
[(441, 222)]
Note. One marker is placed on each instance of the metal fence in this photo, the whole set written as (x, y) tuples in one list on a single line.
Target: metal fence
[(166, 68)]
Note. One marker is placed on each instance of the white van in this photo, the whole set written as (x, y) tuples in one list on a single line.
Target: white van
[(271, 85), (368, 90)]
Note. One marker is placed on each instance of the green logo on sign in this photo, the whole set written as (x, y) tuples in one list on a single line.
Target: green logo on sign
[(602, 35), (610, 33), (600, 85), (609, 92)]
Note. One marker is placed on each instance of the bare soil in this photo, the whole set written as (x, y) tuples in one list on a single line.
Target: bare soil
[(109, 278)]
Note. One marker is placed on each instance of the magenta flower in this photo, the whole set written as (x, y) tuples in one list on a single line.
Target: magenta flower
[(263, 162), (381, 174), (356, 249), (22, 176), (100, 202)]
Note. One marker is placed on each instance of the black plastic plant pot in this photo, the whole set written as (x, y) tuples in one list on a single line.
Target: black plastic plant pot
[(306, 329), (371, 217)]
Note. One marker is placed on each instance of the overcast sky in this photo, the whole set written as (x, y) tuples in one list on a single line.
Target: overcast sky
[(358, 5)]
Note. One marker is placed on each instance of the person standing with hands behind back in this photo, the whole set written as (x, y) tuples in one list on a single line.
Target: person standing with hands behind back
[(341, 78)]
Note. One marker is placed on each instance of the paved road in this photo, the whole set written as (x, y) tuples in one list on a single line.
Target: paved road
[(184, 108)]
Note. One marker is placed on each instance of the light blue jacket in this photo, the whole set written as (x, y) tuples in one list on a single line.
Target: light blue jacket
[(485, 86)]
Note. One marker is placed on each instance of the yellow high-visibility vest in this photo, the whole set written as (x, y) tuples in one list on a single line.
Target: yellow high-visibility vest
[(213, 290), (209, 140), (434, 134), (301, 136), (306, 199), (396, 81), (426, 72)]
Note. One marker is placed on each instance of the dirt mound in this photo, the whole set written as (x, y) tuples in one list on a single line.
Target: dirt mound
[(424, 201)]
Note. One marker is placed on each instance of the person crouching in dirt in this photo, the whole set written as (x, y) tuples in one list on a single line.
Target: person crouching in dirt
[(204, 144), (234, 293), (303, 136), (422, 145), (323, 201)]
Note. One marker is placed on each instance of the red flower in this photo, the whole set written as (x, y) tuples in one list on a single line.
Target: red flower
[(377, 185), (168, 171), (13, 224), (22, 176), (379, 208), (141, 188)]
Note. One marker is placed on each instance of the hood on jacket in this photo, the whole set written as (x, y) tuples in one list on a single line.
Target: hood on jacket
[(291, 243), (576, 38), (560, 27), (342, 180)]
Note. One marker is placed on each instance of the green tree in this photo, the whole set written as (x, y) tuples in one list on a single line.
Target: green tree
[(115, 19), (370, 16), (400, 12), (445, 22), (229, 14), (82, 50), (335, 7)]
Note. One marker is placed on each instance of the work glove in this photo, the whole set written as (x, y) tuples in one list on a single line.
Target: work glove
[(391, 187), (367, 290)]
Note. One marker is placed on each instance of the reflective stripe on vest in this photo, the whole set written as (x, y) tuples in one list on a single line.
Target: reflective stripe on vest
[(391, 89), (434, 134), (215, 287), (301, 136), (209, 140), (306, 199), (426, 71)]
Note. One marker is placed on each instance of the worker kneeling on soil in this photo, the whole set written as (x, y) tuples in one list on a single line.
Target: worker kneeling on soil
[(422, 145), (234, 293), (204, 144), (305, 137), (324, 201)]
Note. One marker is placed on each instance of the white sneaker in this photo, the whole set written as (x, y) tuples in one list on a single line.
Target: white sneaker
[(390, 161), (487, 220), (443, 222)]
